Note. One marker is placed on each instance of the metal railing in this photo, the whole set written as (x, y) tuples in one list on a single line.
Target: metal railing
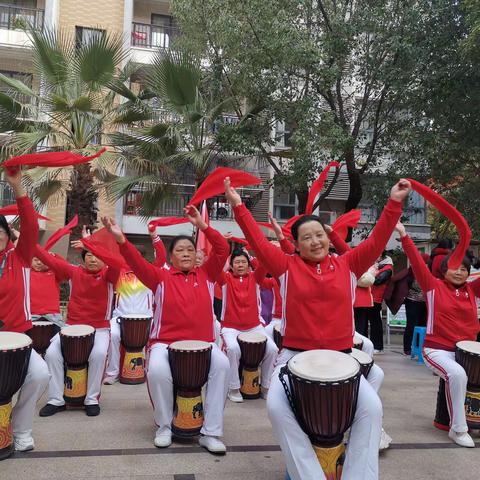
[(153, 36), (6, 194), (11, 17)]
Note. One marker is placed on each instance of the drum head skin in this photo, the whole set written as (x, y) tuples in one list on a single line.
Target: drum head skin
[(357, 339), (252, 337), (362, 357), (42, 323), (323, 365), (192, 345), (469, 346), (77, 330), (13, 341)]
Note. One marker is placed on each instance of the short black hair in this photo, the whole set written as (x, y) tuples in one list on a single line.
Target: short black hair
[(238, 253), (301, 221), (177, 239), (4, 226), (83, 253), (466, 262), (446, 243)]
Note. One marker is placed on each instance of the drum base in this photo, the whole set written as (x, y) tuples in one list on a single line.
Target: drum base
[(133, 372), (331, 460), (442, 417), (75, 385), (188, 414), (250, 383), (441, 426), (472, 409), (6, 432)]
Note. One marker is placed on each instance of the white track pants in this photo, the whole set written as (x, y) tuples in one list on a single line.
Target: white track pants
[(443, 364), (96, 368), (32, 389), (367, 344), (160, 388), (361, 461), (229, 336), (113, 367)]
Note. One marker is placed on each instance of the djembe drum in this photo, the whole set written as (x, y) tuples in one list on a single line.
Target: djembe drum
[(442, 417), (15, 351), (41, 333), (323, 395), (77, 343), (190, 365), (277, 336), (252, 347), (134, 332), (467, 354), (357, 342), (365, 361)]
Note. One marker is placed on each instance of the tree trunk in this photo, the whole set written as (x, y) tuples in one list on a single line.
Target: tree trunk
[(302, 197), (356, 192)]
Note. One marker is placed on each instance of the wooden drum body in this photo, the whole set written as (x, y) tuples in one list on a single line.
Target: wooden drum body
[(41, 333), (190, 365), (77, 343), (134, 333), (15, 351), (277, 336), (252, 347), (467, 354), (323, 395), (442, 417), (365, 361)]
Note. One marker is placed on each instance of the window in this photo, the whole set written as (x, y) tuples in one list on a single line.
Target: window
[(161, 30), (84, 36), (284, 204)]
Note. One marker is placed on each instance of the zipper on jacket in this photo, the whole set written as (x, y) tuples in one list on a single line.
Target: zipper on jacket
[(319, 270)]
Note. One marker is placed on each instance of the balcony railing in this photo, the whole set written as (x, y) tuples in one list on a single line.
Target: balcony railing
[(153, 36), (11, 17), (6, 194)]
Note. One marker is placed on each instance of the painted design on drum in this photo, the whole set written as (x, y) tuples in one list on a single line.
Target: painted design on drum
[(331, 460), (188, 413), (6, 433), (75, 384), (250, 385), (472, 409), (133, 365)]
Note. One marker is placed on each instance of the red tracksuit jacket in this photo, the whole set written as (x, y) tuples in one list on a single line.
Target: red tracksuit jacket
[(91, 294), (452, 312), (15, 277), (183, 301), (319, 296), (44, 292)]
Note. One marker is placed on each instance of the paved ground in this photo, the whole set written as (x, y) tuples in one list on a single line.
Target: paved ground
[(119, 443)]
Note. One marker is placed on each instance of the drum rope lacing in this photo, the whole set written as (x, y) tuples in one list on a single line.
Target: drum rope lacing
[(288, 393)]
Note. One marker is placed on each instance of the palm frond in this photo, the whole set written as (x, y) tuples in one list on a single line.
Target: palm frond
[(17, 85)]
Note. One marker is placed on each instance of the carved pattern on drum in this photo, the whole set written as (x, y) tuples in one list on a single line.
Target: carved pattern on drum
[(188, 413), (250, 386), (75, 385), (472, 409), (133, 365), (331, 460), (6, 434)]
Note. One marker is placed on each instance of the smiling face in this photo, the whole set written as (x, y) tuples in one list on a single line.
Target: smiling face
[(92, 263), (240, 266), (183, 255), (38, 266), (457, 277), (312, 242)]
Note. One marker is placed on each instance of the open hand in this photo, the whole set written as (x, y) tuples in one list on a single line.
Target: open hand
[(194, 217), (114, 229), (231, 194)]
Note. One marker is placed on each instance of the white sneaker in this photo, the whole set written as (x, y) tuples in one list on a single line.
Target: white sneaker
[(110, 380), (385, 440), (163, 440), (234, 395), (461, 438), (23, 442), (378, 352), (264, 393), (212, 444)]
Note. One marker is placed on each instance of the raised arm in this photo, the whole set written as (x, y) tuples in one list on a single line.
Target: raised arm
[(269, 255), (420, 269), (158, 248), (286, 245), (476, 287), (112, 275), (147, 273), (218, 255), (365, 254), (260, 273), (25, 247), (59, 266), (341, 246)]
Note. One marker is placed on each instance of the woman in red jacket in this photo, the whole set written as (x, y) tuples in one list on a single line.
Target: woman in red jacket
[(15, 308), (183, 311), (452, 317), (91, 295), (241, 313), (318, 291)]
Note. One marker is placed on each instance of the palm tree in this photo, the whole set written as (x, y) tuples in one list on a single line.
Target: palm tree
[(171, 126), (70, 109)]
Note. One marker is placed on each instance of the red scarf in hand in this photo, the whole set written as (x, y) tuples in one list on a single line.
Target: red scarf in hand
[(13, 210), (453, 215), (166, 222), (317, 186), (61, 232), (213, 184), (346, 221)]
